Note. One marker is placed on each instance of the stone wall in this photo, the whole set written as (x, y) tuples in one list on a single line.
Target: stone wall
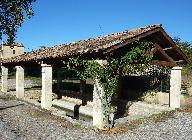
[(8, 51), (163, 99)]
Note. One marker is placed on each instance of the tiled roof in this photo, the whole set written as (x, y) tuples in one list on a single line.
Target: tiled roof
[(83, 46)]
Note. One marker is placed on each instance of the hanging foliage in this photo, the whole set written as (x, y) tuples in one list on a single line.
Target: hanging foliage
[(106, 73), (133, 62)]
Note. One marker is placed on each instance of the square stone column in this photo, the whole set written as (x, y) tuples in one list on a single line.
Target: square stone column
[(100, 104), (4, 79), (100, 118), (175, 87), (46, 96), (20, 82)]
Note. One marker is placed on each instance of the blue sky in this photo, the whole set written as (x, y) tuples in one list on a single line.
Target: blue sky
[(60, 21)]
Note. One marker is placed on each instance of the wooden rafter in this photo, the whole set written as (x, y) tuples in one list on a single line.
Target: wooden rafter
[(170, 62), (130, 40), (163, 51), (174, 45), (159, 49)]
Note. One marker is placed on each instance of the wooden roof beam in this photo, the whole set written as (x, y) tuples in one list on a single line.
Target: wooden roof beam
[(130, 40), (174, 45), (159, 49)]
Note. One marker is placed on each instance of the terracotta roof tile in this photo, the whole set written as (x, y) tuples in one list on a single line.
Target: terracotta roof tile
[(83, 46)]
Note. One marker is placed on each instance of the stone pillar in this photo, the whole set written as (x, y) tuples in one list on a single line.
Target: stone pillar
[(46, 96), (19, 82), (100, 116), (4, 79), (175, 87), (100, 120)]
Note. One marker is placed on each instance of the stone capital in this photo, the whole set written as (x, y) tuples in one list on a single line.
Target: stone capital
[(46, 65), (176, 68), (17, 67), (3, 67)]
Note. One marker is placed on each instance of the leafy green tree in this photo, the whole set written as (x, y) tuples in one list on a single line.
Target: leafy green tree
[(186, 47), (12, 15)]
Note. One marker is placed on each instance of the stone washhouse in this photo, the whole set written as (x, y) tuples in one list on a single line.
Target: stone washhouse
[(165, 52)]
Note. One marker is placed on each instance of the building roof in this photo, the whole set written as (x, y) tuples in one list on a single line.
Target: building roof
[(106, 43)]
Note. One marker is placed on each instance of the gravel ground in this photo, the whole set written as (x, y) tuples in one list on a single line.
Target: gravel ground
[(20, 120)]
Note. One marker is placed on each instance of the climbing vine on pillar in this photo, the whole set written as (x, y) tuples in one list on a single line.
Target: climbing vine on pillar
[(133, 62), (108, 71)]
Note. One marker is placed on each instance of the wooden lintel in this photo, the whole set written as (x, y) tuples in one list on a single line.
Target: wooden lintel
[(163, 63)]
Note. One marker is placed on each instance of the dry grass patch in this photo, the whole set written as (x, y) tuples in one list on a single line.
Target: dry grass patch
[(161, 117), (112, 131)]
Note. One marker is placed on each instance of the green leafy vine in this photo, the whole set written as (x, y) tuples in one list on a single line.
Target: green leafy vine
[(133, 62), (108, 71)]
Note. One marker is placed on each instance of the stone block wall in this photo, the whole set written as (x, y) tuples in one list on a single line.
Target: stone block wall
[(163, 99), (7, 51)]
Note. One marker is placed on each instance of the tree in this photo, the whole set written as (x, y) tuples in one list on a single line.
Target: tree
[(12, 15), (186, 47)]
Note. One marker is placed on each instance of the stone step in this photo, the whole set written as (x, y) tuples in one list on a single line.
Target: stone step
[(76, 100), (74, 107)]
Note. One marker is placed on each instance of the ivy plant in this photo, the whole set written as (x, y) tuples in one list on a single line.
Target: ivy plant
[(134, 61)]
